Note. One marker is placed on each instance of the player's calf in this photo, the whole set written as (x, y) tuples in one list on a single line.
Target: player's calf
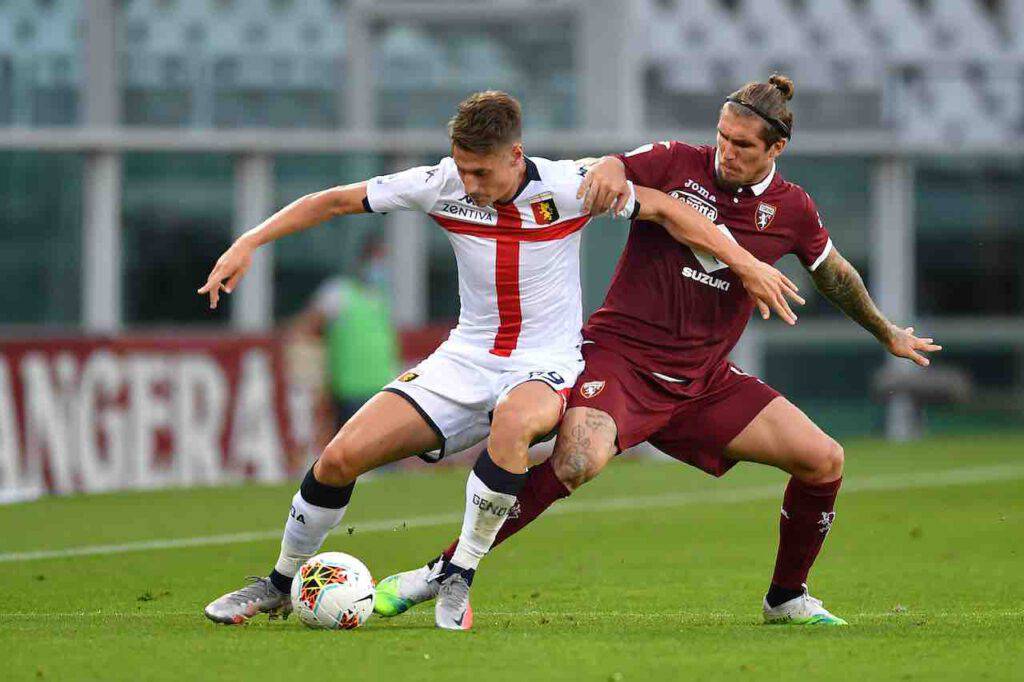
[(490, 496), (808, 512), (783, 436), (585, 445), (316, 509), (529, 410)]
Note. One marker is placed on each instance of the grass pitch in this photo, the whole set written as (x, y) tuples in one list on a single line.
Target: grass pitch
[(654, 571)]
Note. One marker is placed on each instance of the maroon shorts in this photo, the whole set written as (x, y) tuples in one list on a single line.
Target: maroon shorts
[(692, 428)]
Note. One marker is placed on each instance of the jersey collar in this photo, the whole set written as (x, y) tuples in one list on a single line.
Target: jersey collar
[(756, 189), (531, 175)]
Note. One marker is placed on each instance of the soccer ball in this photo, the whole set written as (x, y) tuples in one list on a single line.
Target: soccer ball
[(333, 591)]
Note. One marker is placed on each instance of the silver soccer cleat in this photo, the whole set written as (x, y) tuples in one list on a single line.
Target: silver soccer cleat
[(260, 596), (452, 610)]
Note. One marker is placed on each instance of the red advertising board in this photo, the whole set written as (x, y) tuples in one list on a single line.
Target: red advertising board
[(92, 414)]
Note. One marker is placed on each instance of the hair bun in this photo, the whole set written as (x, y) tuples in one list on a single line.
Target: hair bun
[(784, 84)]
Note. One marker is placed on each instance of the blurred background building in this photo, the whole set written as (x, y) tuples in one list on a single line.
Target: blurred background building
[(138, 136)]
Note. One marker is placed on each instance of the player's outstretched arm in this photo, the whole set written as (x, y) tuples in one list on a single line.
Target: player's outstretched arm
[(301, 214), (767, 286), (840, 283)]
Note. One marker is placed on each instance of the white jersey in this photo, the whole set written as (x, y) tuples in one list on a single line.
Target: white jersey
[(518, 262)]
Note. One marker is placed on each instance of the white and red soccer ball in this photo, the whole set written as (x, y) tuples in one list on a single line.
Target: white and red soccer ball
[(333, 591)]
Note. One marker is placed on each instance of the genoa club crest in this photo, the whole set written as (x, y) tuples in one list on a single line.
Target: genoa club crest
[(591, 388), (765, 215), (544, 210)]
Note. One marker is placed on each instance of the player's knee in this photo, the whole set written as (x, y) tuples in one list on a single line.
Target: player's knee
[(338, 463), (513, 424), (827, 464), (836, 459)]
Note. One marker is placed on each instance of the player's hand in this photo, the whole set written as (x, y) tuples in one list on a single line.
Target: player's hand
[(231, 266), (770, 288), (903, 344), (604, 187)]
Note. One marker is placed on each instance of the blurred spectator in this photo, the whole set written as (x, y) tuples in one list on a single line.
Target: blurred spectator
[(352, 318)]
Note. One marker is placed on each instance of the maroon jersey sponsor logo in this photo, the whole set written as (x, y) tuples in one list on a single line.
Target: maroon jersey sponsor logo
[(591, 388), (697, 196), (706, 279), (765, 215)]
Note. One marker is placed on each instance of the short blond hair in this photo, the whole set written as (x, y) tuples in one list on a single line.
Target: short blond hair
[(486, 121)]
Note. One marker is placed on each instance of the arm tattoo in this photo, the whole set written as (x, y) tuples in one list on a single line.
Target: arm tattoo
[(840, 283)]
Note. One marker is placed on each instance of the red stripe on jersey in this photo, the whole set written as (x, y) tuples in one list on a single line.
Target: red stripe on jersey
[(506, 279), (516, 233)]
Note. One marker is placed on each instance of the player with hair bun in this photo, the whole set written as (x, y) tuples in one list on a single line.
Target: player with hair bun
[(657, 366)]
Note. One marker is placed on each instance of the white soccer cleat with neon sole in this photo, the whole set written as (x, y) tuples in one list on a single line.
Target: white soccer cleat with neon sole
[(802, 610), (398, 593)]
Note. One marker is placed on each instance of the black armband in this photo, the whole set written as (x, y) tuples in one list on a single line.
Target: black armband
[(636, 210)]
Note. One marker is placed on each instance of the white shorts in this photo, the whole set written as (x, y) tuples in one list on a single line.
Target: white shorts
[(456, 391)]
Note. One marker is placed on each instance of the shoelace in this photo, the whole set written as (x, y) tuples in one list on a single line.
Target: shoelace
[(251, 593), (813, 600)]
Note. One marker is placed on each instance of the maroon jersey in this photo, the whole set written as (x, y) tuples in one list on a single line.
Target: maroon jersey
[(675, 311)]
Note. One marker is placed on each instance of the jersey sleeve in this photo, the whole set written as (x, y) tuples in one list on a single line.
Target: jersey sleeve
[(566, 181), (415, 189), (649, 164), (811, 242)]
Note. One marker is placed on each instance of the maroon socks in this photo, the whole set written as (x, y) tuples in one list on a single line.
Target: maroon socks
[(807, 515)]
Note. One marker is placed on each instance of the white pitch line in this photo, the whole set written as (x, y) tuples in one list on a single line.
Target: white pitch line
[(877, 483)]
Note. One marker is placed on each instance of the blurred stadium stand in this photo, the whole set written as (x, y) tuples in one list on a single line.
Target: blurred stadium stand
[(137, 136)]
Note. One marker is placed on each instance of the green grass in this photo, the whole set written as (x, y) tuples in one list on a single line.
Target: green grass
[(930, 578)]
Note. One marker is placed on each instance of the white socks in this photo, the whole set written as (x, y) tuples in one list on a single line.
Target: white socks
[(304, 533), (317, 509), (490, 495)]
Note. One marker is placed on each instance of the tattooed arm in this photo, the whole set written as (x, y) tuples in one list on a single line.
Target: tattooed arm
[(840, 283)]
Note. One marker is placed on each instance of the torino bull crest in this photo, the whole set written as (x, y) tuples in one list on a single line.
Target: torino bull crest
[(765, 215)]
